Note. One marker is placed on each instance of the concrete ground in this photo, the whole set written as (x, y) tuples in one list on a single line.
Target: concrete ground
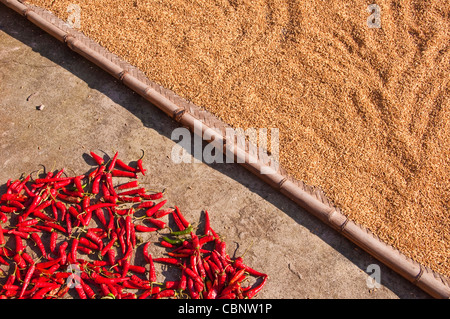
[(87, 109)]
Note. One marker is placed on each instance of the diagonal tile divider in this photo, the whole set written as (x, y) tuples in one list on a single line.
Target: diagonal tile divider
[(193, 117)]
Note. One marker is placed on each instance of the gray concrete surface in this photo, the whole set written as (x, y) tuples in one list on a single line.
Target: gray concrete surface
[(86, 109)]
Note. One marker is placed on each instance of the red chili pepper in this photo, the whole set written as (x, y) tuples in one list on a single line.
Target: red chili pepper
[(200, 268), (8, 197), (98, 159), (124, 166), (96, 184), (62, 253), (109, 245), (53, 238), (163, 212), (191, 289), (128, 185), (193, 275), (138, 269), (19, 244), (142, 228), (78, 184), (100, 205), (205, 239), (8, 209), (178, 255), (172, 284), (110, 226), (237, 276), (109, 183), (128, 226), (19, 188), (208, 269), (87, 289), (103, 280), (112, 164), (252, 292), (181, 217), (59, 174), (16, 204), (216, 261), (47, 264), (27, 279), (3, 218), (238, 263), (155, 208), (171, 261), (128, 252), (165, 243), (93, 173), (51, 180), (119, 173), (120, 235), (213, 290), (80, 291), (29, 222), (57, 227), (125, 264), (166, 293), (4, 262), (27, 258), (128, 199), (87, 218), (36, 200), (97, 240), (136, 191), (152, 196), (73, 251), (20, 261), (44, 290), (101, 216), (86, 242), (146, 204), (111, 257), (62, 207), (140, 166), (149, 292), (68, 224), (158, 223), (39, 214), (207, 223), (135, 283), (63, 291), (152, 270), (61, 184), (2, 237), (67, 198), (40, 244), (20, 233), (113, 289)]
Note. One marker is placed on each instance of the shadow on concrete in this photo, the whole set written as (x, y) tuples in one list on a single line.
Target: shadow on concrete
[(39, 41)]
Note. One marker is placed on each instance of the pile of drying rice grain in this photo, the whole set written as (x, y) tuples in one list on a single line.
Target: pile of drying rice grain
[(363, 112)]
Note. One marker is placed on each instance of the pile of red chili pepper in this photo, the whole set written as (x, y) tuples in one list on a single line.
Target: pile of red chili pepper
[(81, 232)]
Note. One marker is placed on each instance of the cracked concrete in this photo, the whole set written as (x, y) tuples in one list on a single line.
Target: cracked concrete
[(86, 109)]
